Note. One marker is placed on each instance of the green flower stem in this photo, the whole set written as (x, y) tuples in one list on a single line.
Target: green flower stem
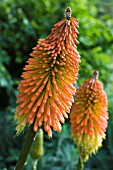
[(80, 165), (34, 165), (25, 150)]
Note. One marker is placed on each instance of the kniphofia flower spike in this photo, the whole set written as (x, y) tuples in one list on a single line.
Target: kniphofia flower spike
[(46, 91), (89, 117)]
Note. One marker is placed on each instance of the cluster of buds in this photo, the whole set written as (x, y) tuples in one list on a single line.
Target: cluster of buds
[(47, 89), (89, 117)]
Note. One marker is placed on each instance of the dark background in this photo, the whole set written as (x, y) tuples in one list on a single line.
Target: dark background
[(22, 23)]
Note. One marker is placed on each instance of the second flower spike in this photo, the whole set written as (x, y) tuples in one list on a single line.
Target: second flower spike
[(46, 91), (89, 117)]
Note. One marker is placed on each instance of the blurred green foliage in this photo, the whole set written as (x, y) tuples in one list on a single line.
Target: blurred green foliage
[(22, 23)]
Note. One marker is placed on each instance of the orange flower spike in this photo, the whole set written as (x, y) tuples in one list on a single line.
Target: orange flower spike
[(89, 117), (49, 78)]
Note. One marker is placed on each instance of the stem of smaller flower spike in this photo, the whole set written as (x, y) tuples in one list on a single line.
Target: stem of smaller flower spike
[(80, 165), (25, 149)]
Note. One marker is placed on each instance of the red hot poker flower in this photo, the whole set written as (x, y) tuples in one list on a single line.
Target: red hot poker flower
[(46, 91), (89, 117)]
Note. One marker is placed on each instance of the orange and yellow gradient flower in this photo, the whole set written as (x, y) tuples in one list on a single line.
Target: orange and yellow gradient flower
[(46, 91), (89, 117)]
